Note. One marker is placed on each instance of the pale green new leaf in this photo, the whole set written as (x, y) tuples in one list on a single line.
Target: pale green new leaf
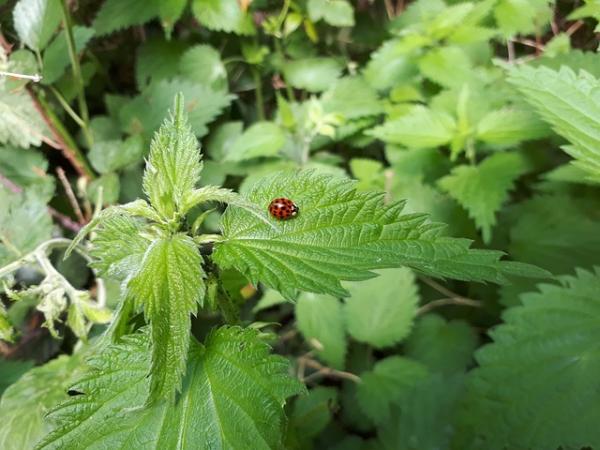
[(25, 403), (509, 126), (342, 234), (233, 397), (540, 373), (223, 15), (320, 318), (380, 311), (483, 189), (443, 346), (173, 167), (522, 16), (169, 285), (338, 13), (384, 386), (570, 103), (35, 21), (421, 127), (119, 246)]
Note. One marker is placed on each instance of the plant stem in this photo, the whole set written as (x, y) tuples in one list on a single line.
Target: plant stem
[(76, 68), (260, 108), (78, 120), (67, 144)]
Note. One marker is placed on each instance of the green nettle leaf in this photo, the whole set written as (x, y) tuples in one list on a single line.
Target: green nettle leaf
[(173, 166), (169, 285), (145, 113), (522, 16), (386, 384), (320, 318), (447, 66), (425, 417), (313, 412), (338, 13), (312, 74), (509, 126), (443, 346), (11, 371), (157, 59), (118, 14), (352, 98), (25, 403), (223, 15), (108, 156), (380, 311), (342, 234), (262, 139), (569, 103), (56, 56), (202, 64), (18, 212), (233, 397), (35, 21), (483, 189), (568, 238), (119, 246), (169, 12), (21, 124), (544, 363), (420, 127), (389, 66)]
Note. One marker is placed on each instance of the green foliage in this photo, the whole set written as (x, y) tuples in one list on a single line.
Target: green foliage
[(443, 346), (321, 322), (173, 167), (169, 286), (482, 189), (25, 403), (223, 15), (116, 14), (380, 311), (18, 212), (381, 121), (567, 101), (338, 13), (341, 234), (234, 391), (386, 384), (543, 359), (35, 21)]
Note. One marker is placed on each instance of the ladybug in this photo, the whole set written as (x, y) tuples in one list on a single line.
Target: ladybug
[(283, 208)]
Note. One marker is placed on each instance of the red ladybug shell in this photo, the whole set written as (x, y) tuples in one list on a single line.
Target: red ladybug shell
[(283, 208)]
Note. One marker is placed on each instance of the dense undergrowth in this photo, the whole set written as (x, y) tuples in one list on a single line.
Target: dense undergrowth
[(437, 289)]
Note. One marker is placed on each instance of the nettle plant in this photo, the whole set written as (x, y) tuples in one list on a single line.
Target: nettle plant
[(148, 380)]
